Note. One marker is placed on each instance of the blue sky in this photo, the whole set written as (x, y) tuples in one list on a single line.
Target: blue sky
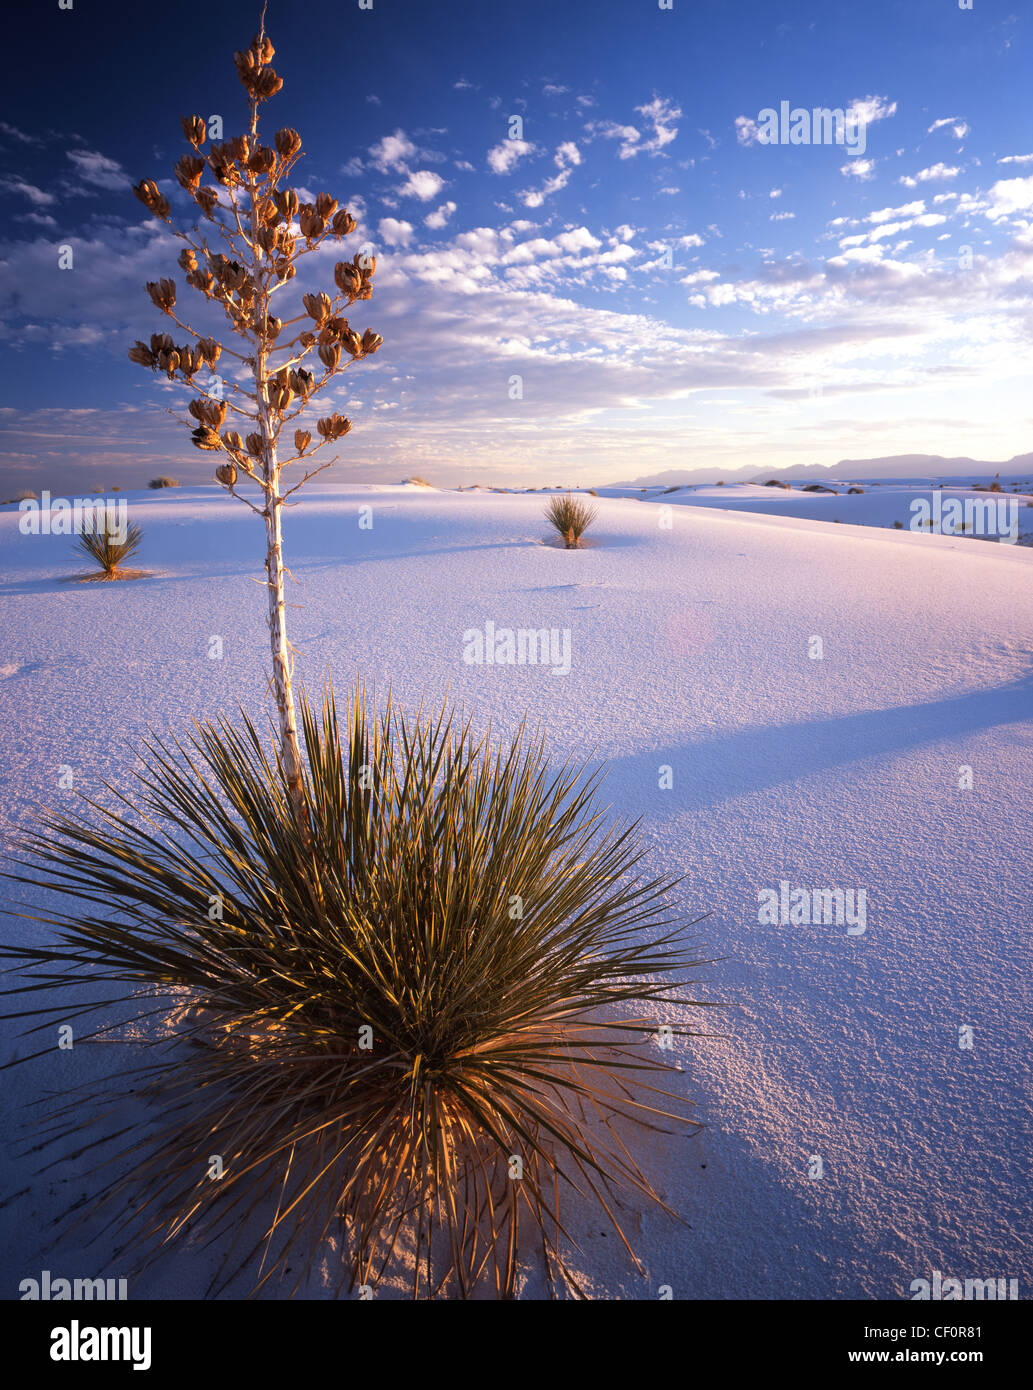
[(671, 292)]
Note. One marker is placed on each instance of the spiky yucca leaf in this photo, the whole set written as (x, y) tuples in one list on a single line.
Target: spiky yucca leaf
[(108, 545), (455, 970), (571, 517)]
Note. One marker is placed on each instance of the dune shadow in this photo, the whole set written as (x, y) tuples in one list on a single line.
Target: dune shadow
[(764, 756)]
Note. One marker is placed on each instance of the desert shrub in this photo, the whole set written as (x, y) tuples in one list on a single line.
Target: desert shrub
[(898, 526), (452, 972), (571, 517), (106, 544), (163, 482), (420, 482)]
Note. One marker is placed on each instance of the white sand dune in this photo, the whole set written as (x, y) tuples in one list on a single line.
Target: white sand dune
[(689, 647)]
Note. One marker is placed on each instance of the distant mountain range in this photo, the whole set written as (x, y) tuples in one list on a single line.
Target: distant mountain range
[(901, 466)]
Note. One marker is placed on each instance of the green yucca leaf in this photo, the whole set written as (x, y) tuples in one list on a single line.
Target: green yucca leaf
[(467, 904), (108, 545)]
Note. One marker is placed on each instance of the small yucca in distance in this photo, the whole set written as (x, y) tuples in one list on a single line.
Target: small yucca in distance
[(110, 544), (571, 517), (424, 1018)]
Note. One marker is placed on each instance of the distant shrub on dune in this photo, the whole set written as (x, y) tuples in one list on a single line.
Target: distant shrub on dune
[(417, 481), (571, 518), (26, 496), (163, 482)]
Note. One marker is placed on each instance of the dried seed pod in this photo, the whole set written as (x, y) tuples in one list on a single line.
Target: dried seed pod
[(333, 427), (210, 350), (317, 306), (163, 293), (204, 438), (141, 354), (286, 201), (161, 342), (312, 225), (347, 278), (232, 274), (330, 356), (343, 224), (153, 200), (194, 129), (326, 205), (267, 84), (288, 143), (371, 342), (188, 171), (262, 160), (302, 439), (253, 444), (187, 261), (226, 473), (207, 200), (352, 343), (233, 441), (306, 339), (278, 396)]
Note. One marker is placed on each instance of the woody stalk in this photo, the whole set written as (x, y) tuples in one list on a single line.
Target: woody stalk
[(251, 234)]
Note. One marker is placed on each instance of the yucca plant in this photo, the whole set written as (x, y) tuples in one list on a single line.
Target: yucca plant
[(109, 544), (427, 1017), (253, 232), (571, 517)]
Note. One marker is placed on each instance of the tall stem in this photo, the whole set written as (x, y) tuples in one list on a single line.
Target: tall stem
[(283, 691)]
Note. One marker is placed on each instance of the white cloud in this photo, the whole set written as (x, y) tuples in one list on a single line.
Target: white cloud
[(935, 173), (661, 115), (392, 232), (775, 193), (746, 130), (1009, 196), (960, 128), (392, 151), (93, 167), (1016, 159), (889, 214), (567, 156), (440, 216), (423, 184), (29, 190), (502, 157), (870, 109), (781, 216), (863, 169)]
